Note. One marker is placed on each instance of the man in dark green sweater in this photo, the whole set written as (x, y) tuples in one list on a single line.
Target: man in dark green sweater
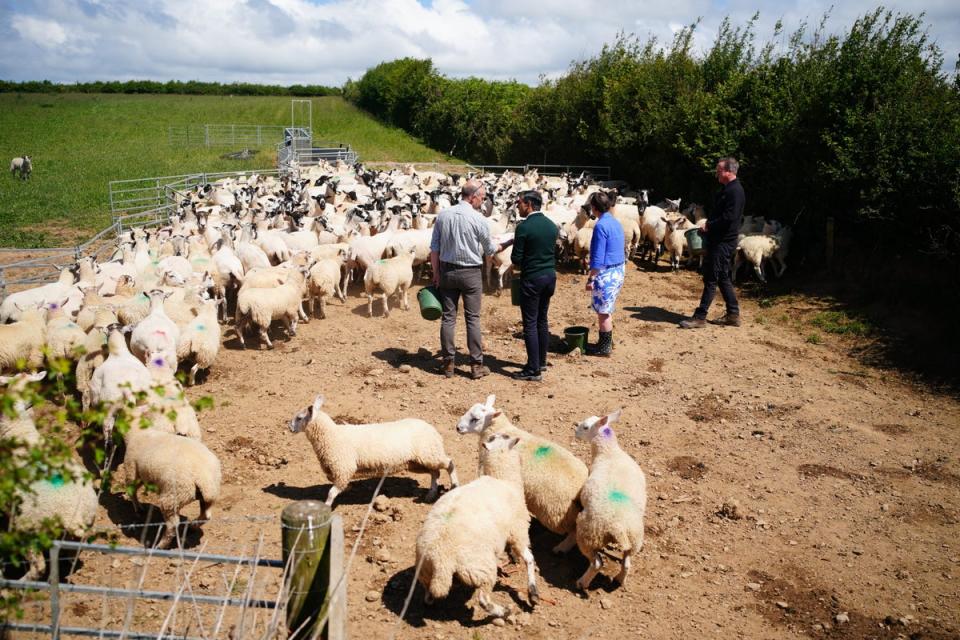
[(534, 255)]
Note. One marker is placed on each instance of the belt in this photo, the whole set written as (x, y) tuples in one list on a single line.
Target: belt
[(611, 266), (449, 266)]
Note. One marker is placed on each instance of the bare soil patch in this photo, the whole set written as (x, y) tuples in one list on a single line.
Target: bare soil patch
[(710, 409), (687, 467), (824, 471)]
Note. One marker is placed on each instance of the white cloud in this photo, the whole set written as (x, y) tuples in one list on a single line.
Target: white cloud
[(301, 41)]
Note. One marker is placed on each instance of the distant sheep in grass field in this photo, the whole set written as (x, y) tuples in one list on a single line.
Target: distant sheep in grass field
[(22, 166)]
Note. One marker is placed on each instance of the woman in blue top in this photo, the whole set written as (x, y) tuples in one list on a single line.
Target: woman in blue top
[(606, 269)]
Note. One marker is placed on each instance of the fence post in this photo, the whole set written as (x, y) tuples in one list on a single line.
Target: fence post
[(305, 531), (55, 590)]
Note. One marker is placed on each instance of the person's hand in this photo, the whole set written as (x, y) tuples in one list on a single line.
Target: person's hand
[(436, 279), (589, 286)]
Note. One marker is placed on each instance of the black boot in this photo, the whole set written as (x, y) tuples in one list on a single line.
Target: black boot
[(604, 346)]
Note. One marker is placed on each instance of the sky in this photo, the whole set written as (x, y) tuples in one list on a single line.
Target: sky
[(312, 42)]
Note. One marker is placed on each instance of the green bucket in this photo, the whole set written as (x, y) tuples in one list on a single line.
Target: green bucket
[(515, 292), (576, 337), (430, 307), (694, 240)]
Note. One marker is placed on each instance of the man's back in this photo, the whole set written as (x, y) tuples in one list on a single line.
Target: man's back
[(461, 236)]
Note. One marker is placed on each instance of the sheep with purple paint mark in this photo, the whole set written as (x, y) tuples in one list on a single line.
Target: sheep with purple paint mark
[(614, 499), (552, 476)]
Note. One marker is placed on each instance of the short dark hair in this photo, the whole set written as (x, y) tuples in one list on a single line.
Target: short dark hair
[(600, 201), (532, 198), (730, 164)]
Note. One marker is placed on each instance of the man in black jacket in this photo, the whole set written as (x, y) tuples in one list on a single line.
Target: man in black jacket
[(721, 230)]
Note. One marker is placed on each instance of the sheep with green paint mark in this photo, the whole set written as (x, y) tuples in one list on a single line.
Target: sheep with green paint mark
[(552, 476), (200, 339), (614, 499)]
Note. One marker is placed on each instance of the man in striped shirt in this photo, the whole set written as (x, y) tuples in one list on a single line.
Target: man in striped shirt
[(461, 239)]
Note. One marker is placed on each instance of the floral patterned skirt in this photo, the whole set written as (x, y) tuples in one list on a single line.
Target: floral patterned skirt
[(606, 288)]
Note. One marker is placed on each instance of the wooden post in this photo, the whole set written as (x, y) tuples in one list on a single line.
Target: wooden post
[(829, 255), (306, 551)]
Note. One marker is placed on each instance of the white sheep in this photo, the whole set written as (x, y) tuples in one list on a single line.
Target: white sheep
[(24, 340), (348, 450), (156, 333), (22, 167), (323, 281), (68, 498), (118, 379), (389, 276), (757, 248), (469, 527), (181, 469), (675, 240), (260, 306), (552, 476), (64, 336), (614, 499), (16, 303), (200, 340)]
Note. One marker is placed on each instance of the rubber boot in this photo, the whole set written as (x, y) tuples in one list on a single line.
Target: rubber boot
[(604, 346)]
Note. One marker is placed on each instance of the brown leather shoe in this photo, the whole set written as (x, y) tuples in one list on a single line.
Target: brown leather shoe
[(693, 323), (477, 371), (728, 320), (446, 368)]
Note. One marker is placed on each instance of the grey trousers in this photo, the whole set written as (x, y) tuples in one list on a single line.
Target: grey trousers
[(467, 282)]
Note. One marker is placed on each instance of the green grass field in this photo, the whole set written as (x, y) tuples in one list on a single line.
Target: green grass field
[(80, 142)]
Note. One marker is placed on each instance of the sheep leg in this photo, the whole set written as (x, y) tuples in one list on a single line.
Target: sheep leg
[(452, 471), (332, 494), (533, 595), (492, 608), (595, 563), (323, 308), (434, 486), (193, 374), (37, 564), (622, 576), (170, 534), (406, 300), (781, 265), (567, 543), (369, 305), (386, 306), (265, 337), (759, 269), (301, 313)]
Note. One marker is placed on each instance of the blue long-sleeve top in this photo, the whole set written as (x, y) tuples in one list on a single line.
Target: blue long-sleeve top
[(606, 247)]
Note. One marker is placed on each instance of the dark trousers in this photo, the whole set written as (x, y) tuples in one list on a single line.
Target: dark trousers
[(468, 282), (716, 273), (535, 295)]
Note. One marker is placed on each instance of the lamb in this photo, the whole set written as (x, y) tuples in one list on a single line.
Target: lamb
[(499, 262), (260, 306), (64, 336), (71, 500), (389, 275), (675, 240), (200, 340), (182, 470), (614, 499), (469, 527), (21, 165), (95, 350), (323, 281), (156, 333), (16, 303), (163, 406), (346, 450), (581, 247), (119, 377), (23, 340), (552, 476), (757, 248)]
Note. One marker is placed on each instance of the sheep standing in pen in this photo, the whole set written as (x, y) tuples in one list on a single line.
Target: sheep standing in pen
[(181, 469), (757, 248), (260, 306), (614, 499), (200, 340), (552, 476), (23, 341), (348, 450), (16, 303), (21, 167), (323, 282), (116, 380), (70, 499), (469, 527), (389, 276)]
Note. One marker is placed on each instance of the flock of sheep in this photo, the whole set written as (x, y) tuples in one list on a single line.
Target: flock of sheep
[(266, 251)]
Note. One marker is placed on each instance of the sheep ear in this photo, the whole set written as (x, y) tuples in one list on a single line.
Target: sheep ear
[(602, 422), (514, 442), (488, 444), (317, 404), (615, 416), (490, 400), (496, 414)]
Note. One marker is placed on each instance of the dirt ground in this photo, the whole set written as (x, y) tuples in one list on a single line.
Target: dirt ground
[(791, 491)]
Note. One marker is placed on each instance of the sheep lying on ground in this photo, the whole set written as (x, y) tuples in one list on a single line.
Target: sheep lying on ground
[(389, 276), (24, 340), (552, 476), (349, 450), (67, 497), (469, 527), (614, 499), (182, 470)]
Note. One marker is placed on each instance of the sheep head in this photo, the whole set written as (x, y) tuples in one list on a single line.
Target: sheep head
[(590, 428), (303, 418), (478, 417)]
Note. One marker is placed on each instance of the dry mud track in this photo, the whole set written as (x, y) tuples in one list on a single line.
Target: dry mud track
[(783, 491)]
